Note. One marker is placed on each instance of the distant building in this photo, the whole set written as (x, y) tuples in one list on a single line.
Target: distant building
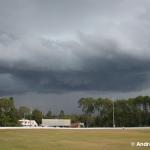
[(56, 122), (28, 123)]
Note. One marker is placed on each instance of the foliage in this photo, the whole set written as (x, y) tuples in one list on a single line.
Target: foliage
[(128, 112), (24, 112), (97, 112), (37, 116), (8, 112), (48, 115), (61, 114)]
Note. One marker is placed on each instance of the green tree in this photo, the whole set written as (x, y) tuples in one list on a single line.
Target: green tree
[(37, 116), (88, 107), (61, 114), (24, 112), (103, 109), (8, 112), (49, 115)]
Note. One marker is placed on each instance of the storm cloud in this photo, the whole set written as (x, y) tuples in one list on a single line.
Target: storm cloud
[(64, 46)]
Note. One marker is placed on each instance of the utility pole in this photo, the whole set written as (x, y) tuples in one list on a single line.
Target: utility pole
[(113, 115), (30, 116)]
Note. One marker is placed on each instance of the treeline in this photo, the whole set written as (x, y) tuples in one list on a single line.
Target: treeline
[(9, 114), (95, 112), (127, 112)]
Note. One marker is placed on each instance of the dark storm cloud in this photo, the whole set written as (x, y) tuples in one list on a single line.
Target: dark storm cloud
[(84, 45), (120, 73)]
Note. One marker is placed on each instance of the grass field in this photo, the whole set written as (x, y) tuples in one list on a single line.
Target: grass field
[(47, 139)]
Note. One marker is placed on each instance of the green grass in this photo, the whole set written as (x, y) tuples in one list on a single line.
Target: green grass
[(39, 139)]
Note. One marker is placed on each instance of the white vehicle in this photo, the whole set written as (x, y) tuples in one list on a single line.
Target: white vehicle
[(28, 123)]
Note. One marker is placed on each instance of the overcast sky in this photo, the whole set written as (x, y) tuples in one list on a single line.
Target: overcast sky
[(52, 52)]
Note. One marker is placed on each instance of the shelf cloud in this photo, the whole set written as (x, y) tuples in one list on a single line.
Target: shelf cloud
[(64, 46)]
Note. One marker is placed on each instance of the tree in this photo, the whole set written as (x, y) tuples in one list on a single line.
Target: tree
[(87, 105), (8, 112), (37, 116), (23, 112), (103, 112), (61, 114), (49, 115), (88, 108)]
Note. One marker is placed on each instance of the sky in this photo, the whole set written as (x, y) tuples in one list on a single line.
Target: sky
[(54, 52)]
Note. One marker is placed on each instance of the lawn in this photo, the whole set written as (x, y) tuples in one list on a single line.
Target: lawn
[(51, 139)]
